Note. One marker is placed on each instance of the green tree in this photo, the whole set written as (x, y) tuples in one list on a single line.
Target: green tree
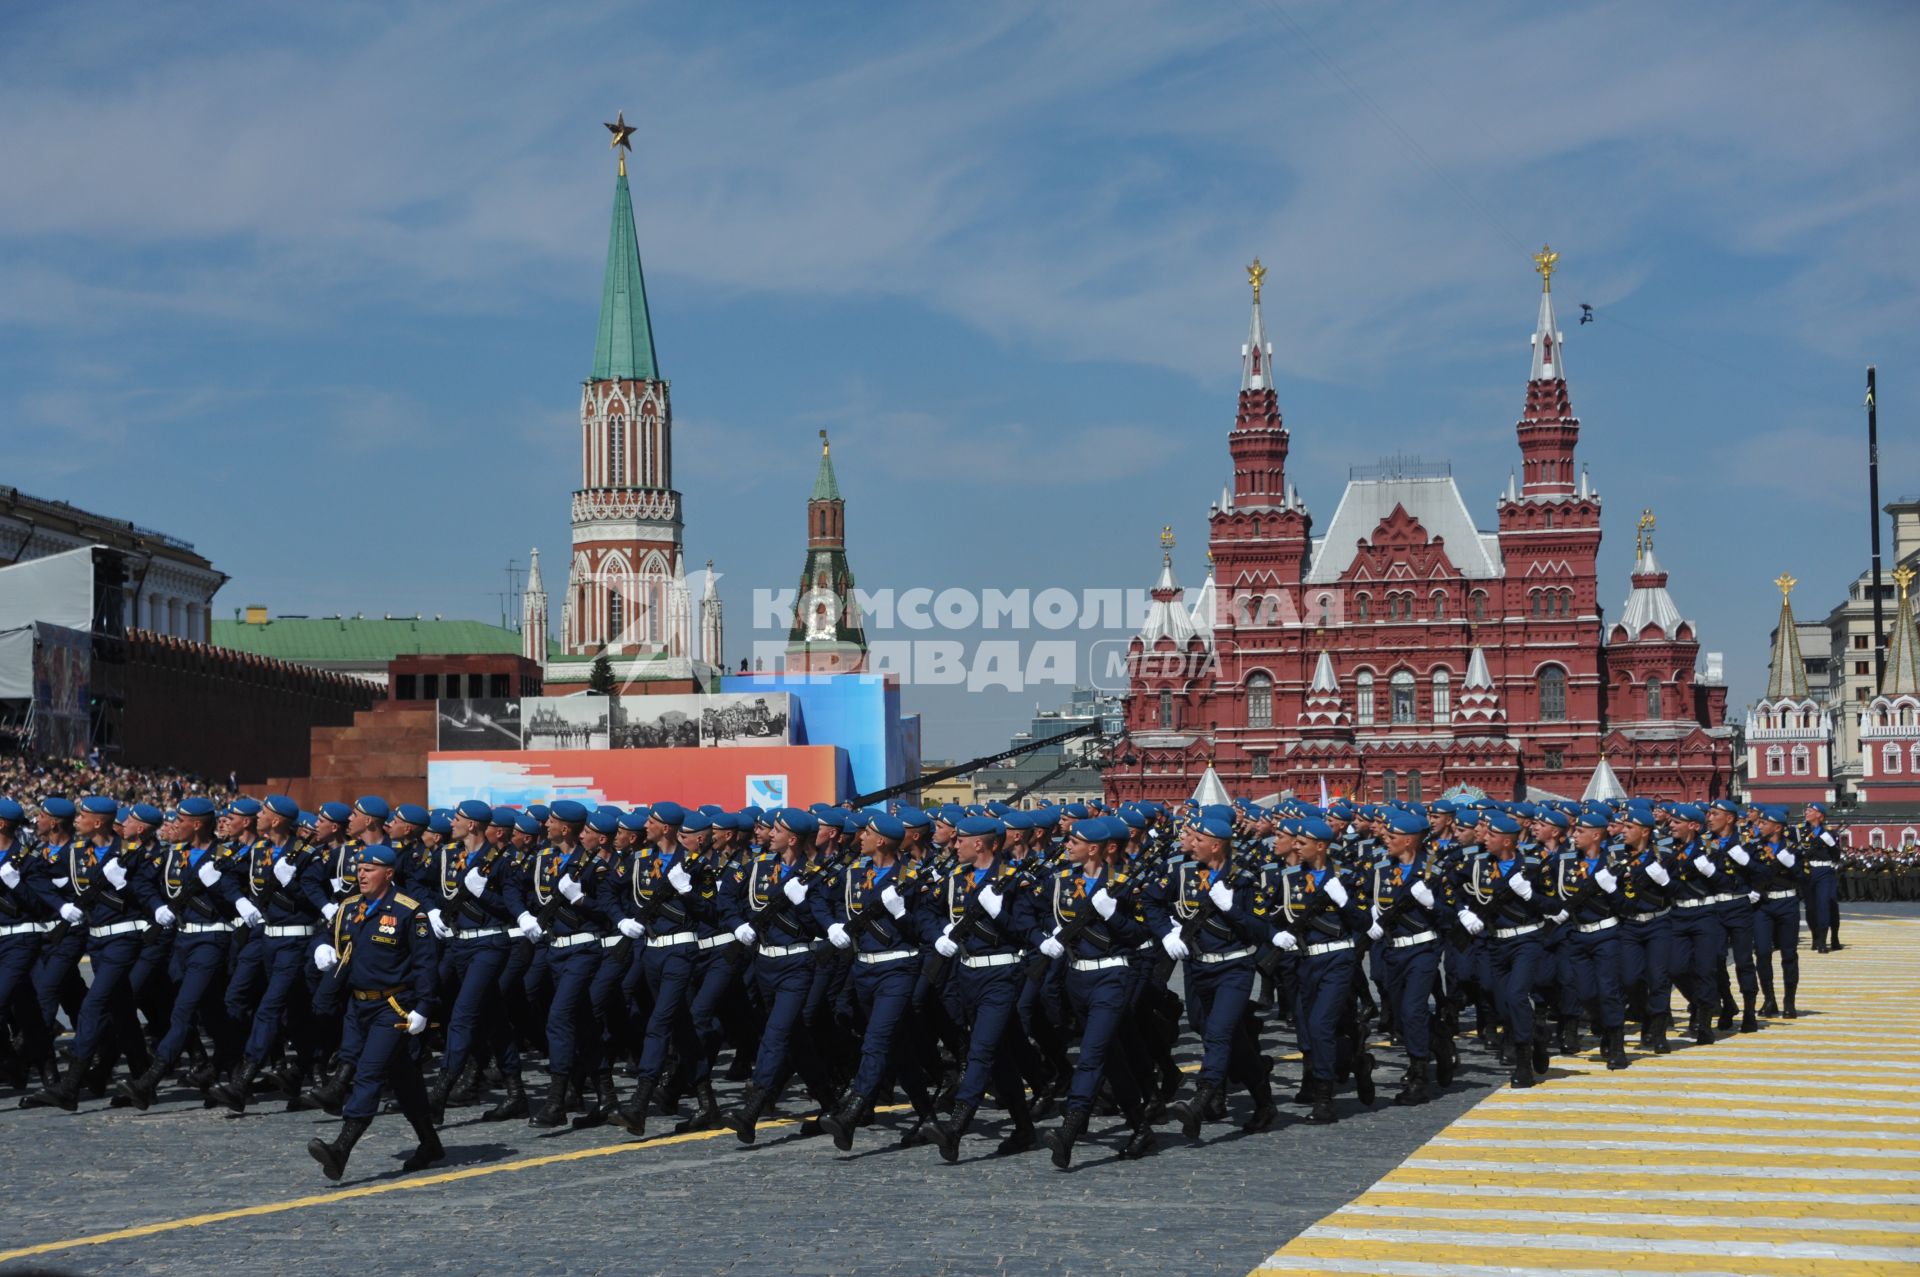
[(600, 681)]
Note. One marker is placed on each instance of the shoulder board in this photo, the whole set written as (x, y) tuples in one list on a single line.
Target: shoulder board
[(405, 901)]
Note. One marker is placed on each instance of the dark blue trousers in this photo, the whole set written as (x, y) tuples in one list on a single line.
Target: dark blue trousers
[(784, 985), (985, 1001), (669, 975), (18, 954), (1101, 998), (882, 994), (1776, 929), (1326, 987), (1823, 904), (199, 974), (107, 997), (1737, 917), (476, 968), (1699, 947), (1408, 977), (1217, 996), (284, 961), (1512, 965), (573, 1045), (1646, 955), (389, 1055), (1593, 959)]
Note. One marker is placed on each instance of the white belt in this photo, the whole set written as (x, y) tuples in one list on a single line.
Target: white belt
[(1649, 917), (1728, 897), (1100, 964), (23, 929), (782, 950), (584, 937), (1699, 902), (203, 928), (993, 960), (1508, 933), (1588, 928), (714, 942), (606, 942), (1330, 946), (1230, 955), (280, 932), (476, 933), (887, 955), (1421, 937), (1781, 895), (117, 929), (671, 938)]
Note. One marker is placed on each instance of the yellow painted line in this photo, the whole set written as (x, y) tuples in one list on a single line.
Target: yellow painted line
[(1651, 1136), (1520, 1204), (1835, 1127), (1609, 1177), (1507, 1257), (369, 1190), (1594, 1159), (1506, 1221)]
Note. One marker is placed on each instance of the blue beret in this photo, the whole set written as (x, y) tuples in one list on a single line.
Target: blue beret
[(1693, 813), (12, 811), (99, 805), (668, 813), (606, 820), (379, 854), (1819, 807), (1132, 818), (309, 821), (474, 809), (831, 818), (1091, 829), (1407, 822), (1442, 807), (504, 817), (1776, 812), (412, 813), (336, 812), (243, 806), (756, 815), (281, 805), (1641, 816), (568, 812), (1340, 811), (1216, 827), (635, 820), (196, 806), (1558, 819), (888, 827), (527, 823), (1724, 804), (119, 813), (1593, 818), (695, 822), (538, 811), (1317, 829), (1501, 823), (980, 826), (145, 813), (1076, 811), (439, 824), (797, 820), (914, 818), (372, 805)]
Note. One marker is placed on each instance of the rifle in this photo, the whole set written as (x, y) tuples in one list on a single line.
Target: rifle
[(1004, 884), (777, 903), (871, 915), (558, 901), (1190, 929), (1083, 922)]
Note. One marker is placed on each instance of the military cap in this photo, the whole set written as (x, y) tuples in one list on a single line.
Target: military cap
[(145, 813), (1593, 818), (980, 826), (502, 817), (372, 805), (1775, 812), (1317, 829), (1217, 827), (196, 807), (604, 820), (668, 813), (755, 815), (1724, 804), (1692, 813), (914, 818), (1501, 823), (439, 824), (527, 823), (99, 805), (308, 821), (12, 811), (379, 854), (1819, 807), (538, 811), (1406, 822), (1558, 819), (568, 812), (475, 809), (412, 813), (635, 820), (244, 806), (696, 821), (336, 812), (832, 817), (888, 827), (281, 805), (1641, 816), (797, 820)]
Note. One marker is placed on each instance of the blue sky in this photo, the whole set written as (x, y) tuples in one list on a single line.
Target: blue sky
[(314, 286)]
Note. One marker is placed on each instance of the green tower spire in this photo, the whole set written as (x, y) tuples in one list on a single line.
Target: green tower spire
[(825, 486), (623, 349)]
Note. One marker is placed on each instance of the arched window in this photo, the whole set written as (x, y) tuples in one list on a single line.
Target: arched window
[(1479, 605), (1389, 786), (616, 615), (1362, 604), (1877, 838), (617, 449), (1413, 787), (1326, 608), (1259, 700), (1916, 760), (1653, 698), (1402, 696), (1776, 760), (1442, 696), (1533, 602), (1166, 709), (1439, 606), (1363, 699), (1890, 759), (1802, 760), (1553, 694)]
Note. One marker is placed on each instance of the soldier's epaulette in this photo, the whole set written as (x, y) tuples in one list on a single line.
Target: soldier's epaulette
[(405, 901)]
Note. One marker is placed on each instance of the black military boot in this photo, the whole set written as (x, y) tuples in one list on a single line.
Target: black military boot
[(333, 1157), (139, 1090), (437, 1095), (606, 1102), (1542, 1055), (63, 1094), (916, 1133), (706, 1113), (947, 1134), (1749, 1022), (843, 1121), (1570, 1043), (1060, 1140), (632, 1116), (1769, 1009), (1191, 1112), (1445, 1059), (1726, 1017), (234, 1093), (1790, 1011), (744, 1119), (1658, 1024), (465, 1089), (1139, 1137), (554, 1112), (1260, 1087), (1363, 1066), (513, 1105), (332, 1093), (1024, 1135), (430, 1150), (1523, 1073), (1322, 1114), (1614, 1043), (1305, 1094), (1415, 1091)]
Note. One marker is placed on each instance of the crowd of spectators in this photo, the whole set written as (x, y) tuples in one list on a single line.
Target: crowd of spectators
[(27, 777)]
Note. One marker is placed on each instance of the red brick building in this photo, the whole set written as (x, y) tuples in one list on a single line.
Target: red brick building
[(1406, 652)]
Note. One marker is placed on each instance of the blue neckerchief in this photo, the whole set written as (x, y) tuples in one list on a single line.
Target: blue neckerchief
[(1319, 875), (1091, 878), (980, 875), (1505, 870), (196, 854), (880, 872), (783, 870), (1593, 865)]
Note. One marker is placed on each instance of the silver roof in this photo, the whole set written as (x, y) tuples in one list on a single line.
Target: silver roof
[(1432, 499)]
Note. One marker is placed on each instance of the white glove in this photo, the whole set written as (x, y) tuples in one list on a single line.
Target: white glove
[(1753, 897), (248, 914), (441, 931), (529, 925), (476, 882), (1336, 891), (283, 870), (945, 948), (1375, 933), (990, 900), (71, 913), (163, 916), (1558, 918), (1176, 947), (570, 888), (1608, 883), (9, 875), (1422, 893), (793, 889), (1053, 948), (416, 1024), (1104, 904), (114, 872), (745, 933), (1705, 866), (1471, 921), (1222, 895), (679, 879), (1738, 855), (326, 958), (1786, 858), (837, 936), (339, 884), (328, 910), (891, 899), (1658, 872), (1285, 941), (1522, 886), (209, 872), (629, 928)]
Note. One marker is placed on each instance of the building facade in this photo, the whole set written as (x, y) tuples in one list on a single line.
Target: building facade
[(1406, 652)]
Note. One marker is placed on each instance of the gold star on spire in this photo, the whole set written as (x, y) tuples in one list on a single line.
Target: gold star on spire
[(1786, 583), (1544, 261), (1903, 577), (1256, 273), (621, 131), (823, 443)]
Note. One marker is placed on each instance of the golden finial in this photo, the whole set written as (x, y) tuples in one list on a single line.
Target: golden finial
[(1543, 261), (1643, 537), (1166, 543), (621, 131), (1256, 273), (1786, 583), (823, 443), (1903, 577)]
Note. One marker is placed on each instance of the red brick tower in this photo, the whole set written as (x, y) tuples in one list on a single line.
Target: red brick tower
[(1789, 734)]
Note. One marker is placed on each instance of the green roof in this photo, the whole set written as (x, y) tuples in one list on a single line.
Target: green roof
[(351, 639), (825, 486), (623, 350)]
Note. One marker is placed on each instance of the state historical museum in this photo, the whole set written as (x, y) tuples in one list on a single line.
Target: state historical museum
[(1406, 653)]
